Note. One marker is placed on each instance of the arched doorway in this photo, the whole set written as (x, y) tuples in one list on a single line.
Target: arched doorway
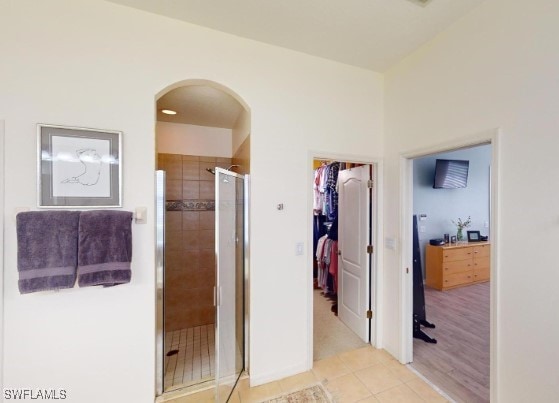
[(203, 146)]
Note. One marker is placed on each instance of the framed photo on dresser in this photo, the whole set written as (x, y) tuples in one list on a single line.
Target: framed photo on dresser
[(474, 236)]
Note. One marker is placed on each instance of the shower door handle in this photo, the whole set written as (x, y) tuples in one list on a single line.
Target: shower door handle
[(217, 296)]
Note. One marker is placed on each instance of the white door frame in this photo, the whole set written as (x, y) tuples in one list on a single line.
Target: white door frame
[(377, 230), (406, 281)]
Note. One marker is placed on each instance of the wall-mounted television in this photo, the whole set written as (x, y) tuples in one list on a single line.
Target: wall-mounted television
[(451, 174)]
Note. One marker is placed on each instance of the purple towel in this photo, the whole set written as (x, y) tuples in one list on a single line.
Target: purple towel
[(104, 247), (47, 247)]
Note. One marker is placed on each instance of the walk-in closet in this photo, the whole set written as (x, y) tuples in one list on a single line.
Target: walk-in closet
[(342, 263)]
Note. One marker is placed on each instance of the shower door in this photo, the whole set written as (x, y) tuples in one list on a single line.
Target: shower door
[(229, 290), (160, 276)]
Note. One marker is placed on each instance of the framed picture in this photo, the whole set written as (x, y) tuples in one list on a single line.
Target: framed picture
[(474, 236), (78, 167)]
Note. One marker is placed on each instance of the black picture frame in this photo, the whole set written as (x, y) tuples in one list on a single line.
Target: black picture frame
[(474, 236)]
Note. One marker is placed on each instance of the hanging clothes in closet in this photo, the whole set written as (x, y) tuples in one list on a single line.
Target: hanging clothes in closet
[(327, 260), (325, 228), (325, 191)]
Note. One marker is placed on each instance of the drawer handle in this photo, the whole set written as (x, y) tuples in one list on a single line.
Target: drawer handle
[(446, 281), (475, 251), (469, 265), (469, 253), (469, 276)]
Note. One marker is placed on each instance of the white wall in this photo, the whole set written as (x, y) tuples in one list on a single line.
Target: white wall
[(176, 138), (497, 67), (241, 130), (96, 64)]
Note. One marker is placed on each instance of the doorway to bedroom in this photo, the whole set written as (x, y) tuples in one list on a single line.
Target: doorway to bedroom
[(452, 281)]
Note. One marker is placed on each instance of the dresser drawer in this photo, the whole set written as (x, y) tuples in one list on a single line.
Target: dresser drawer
[(450, 255), (481, 273), (482, 250), (481, 262), (457, 279), (453, 266), (457, 266)]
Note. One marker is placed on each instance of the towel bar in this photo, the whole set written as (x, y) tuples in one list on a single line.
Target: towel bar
[(140, 214)]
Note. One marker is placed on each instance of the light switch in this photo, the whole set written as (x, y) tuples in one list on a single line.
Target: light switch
[(299, 249)]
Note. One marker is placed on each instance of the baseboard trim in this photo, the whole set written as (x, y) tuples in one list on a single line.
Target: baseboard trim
[(260, 379)]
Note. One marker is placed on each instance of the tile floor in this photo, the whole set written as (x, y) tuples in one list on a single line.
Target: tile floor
[(195, 359), (331, 336), (361, 375)]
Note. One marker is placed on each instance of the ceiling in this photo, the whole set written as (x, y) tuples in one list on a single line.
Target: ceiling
[(200, 105), (372, 34)]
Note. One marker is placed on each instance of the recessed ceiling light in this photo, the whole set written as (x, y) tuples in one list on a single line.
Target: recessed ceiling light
[(168, 112)]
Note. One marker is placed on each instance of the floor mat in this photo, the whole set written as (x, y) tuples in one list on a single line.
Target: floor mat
[(311, 394)]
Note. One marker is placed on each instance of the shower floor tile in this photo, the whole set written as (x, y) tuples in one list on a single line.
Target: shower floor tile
[(195, 360)]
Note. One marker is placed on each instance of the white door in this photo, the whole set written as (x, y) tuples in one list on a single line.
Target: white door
[(354, 217)]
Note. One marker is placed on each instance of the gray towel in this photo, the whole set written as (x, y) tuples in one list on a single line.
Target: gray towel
[(104, 247), (47, 247)]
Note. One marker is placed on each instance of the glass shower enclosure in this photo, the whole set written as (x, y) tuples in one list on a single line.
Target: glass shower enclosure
[(229, 291)]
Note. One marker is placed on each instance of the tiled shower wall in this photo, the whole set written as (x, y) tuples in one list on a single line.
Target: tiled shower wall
[(189, 239)]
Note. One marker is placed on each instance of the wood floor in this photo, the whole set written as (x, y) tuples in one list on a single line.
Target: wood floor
[(459, 362)]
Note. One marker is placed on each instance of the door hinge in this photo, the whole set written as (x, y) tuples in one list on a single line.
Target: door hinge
[(369, 249), (407, 270), (369, 314), (370, 183)]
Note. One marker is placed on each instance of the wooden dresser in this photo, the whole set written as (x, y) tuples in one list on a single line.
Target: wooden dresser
[(452, 266)]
